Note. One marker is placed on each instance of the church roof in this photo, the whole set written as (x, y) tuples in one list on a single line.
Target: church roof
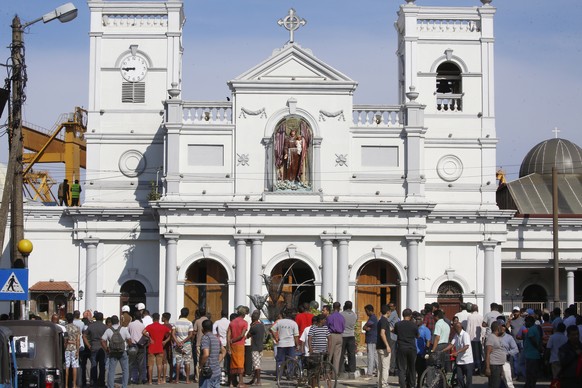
[(293, 67), (561, 153), (532, 192)]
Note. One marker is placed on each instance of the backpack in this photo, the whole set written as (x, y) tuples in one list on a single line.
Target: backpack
[(116, 343)]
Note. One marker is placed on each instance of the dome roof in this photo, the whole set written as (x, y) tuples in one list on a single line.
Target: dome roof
[(563, 154)]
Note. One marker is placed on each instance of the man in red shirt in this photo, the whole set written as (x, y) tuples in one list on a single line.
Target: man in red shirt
[(303, 317), (235, 346), (157, 333)]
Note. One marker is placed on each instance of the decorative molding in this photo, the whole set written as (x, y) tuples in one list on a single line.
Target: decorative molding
[(262, 113), (242, 160), (339, 114), (134, 20), (132, 163), (341, 160), (450, 168)]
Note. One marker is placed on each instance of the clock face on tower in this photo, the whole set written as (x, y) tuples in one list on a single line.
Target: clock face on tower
[(133, 68)]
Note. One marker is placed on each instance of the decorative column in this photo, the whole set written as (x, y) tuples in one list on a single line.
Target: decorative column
[(570, 275), (489, 273), (412, 291), (415, 133), (173, 128), (316, 163), (170, 300), (240, 259), (342, 293), (256, 265), (326, 266), (91, 273)]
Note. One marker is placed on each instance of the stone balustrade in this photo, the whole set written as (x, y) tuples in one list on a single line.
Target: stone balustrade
[(377, 116), (132, 21), (446, 25), (449, 102), (209, 112)]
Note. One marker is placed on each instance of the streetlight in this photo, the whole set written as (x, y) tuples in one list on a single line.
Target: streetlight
[(508, 293), (14, 175)]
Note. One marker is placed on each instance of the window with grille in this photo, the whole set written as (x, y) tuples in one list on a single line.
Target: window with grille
[(133, 92)]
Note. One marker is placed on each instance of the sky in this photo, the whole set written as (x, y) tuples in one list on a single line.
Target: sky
[(538, 52)]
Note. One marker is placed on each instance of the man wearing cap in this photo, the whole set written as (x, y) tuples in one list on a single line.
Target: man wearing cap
[(145, 314), (125, 318), (137, 355)]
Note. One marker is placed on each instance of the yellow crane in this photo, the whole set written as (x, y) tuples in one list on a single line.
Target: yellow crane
[(54, 146)]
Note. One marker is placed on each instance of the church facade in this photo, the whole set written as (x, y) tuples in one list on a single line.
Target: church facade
[(193, 203)]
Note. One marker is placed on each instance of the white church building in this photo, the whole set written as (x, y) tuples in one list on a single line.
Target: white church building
[(190, 203)]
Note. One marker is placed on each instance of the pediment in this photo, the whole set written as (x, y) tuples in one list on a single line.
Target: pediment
[(293, 63)]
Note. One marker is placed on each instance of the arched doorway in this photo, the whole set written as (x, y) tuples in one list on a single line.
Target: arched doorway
[(535, 297), (298, 282), (132, 293), (206, 287), (450, 297), (377, 284)]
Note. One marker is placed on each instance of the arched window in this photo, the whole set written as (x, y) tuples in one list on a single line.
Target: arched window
[(449, 88), (293, 140)]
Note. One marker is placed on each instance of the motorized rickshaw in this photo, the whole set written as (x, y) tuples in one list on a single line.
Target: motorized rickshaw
[(6, 359), (38, 350)]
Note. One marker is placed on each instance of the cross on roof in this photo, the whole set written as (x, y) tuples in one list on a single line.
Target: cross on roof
[(291, 22), (556, 131)]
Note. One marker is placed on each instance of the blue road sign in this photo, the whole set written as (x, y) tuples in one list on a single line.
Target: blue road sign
[(13, 284)]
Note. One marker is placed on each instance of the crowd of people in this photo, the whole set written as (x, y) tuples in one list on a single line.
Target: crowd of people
[(523, 344)]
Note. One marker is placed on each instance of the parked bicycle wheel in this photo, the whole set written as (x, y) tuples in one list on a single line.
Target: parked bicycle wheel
[(327, 375), (433, 378), (289, 374)]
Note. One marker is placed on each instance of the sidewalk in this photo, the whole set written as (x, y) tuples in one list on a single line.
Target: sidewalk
[(268, 378)]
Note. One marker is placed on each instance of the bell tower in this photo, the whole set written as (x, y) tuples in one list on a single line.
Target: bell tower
[(446, 55), (135, 57)]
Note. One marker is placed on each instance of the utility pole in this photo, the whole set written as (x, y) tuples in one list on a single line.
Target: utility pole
[(555, 211), (18, 84), (12, 195)]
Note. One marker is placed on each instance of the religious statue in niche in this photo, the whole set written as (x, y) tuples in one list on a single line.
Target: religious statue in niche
[(292, 140)]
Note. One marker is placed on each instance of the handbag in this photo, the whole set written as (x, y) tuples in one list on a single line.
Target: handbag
[(143, 341)]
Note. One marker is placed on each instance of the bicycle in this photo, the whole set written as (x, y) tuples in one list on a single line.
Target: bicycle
[(307, 371), (435, 375)]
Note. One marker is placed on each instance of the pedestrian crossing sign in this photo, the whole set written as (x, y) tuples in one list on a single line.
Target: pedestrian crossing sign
[(13, 284)]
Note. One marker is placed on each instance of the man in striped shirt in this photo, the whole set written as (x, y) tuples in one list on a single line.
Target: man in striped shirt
[(318, 336), (182, 334)]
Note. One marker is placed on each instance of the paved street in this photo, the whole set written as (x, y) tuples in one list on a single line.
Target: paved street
[(268, 378)]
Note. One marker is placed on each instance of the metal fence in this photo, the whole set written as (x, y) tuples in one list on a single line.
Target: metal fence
[(549, 306)]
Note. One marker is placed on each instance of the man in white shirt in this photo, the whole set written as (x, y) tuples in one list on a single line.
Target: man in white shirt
[(461, 345), (474, 329), (113, 359), (220, 328), (463, 315), (137, 371)]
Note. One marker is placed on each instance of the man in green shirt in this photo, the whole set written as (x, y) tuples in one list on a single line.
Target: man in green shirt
[(75, 193), (441, 337)]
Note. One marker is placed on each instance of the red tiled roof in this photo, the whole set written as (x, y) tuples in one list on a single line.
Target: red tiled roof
[(51, 286)]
